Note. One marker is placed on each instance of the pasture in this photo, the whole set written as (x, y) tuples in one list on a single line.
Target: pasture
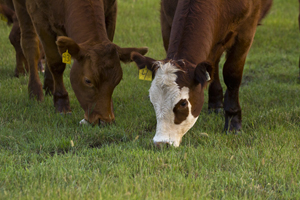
[(45, 155)]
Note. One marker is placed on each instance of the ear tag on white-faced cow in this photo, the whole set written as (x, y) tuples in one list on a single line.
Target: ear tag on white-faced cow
[(145, 74), (3, 18), (207, 76), (66, 57)]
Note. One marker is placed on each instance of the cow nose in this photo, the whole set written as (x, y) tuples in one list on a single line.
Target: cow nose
[(161, 145), (105, 123)]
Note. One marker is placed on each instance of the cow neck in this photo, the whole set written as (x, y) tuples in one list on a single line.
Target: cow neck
[(85, 21), (191, 35)]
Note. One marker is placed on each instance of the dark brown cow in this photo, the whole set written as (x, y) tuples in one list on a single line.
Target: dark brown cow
[(15, 40), (84, 28), (195, 35)]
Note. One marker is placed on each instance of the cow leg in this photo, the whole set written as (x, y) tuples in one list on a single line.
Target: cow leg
[(165, 29), (110, 22), (232, 72), (56, 68), (48, 81), (53, 58), (30, 46), (215, 92), (15, 40)]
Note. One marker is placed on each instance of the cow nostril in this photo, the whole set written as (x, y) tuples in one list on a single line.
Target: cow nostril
[(104, 123), (161, 145)]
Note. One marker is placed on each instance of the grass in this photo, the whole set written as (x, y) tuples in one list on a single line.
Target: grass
[(44, 155)]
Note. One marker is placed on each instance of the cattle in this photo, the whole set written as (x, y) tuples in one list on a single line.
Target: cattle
[(15, 37), (83, 29), (195, 34)]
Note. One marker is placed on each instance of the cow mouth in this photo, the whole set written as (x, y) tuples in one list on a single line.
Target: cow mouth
[(98, 122), (102, 123), (162, 145)]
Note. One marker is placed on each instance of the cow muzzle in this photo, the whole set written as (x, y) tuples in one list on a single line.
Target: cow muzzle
[(160, 142), (98, 122)]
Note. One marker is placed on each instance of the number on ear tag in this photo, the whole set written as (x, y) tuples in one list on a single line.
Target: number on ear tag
[(66, 57), (145, 74), (3, 18)]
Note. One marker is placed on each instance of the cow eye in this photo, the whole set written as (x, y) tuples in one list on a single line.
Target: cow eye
[(183, 103), (87, 81)]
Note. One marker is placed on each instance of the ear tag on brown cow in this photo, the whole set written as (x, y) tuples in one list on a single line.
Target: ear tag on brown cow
[(66, 57), (3, 18), (145, 74), (207, 76)]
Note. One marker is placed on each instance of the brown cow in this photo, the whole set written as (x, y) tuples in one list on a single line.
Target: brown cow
[(15, 40), (195, 35), (84, 28)]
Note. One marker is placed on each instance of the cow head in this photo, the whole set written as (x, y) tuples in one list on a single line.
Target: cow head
[(95, 73), (177, 95)]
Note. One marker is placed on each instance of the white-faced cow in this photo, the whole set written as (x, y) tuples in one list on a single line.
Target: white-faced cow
[(195, 35)]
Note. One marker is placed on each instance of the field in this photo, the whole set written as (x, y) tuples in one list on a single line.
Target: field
[(45, 155)]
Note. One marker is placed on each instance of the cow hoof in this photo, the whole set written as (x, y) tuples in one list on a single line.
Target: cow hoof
[(233, 131), (62, 105), (35, 90), (161, 145), (69, 113), (39, 96)]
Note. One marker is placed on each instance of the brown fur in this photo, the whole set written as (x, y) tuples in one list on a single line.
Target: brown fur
[(8, 13), (201, 30), (86, 28)]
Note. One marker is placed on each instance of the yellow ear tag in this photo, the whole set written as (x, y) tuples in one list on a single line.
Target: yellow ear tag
[(66, 57), (145, 74), (3, 18)]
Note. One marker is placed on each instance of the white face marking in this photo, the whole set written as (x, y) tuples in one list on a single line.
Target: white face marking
[(164, 95)]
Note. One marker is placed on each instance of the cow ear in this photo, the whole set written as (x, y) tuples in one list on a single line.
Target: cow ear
[(125, 53), (65, 43), (203, 73), (143, 61)]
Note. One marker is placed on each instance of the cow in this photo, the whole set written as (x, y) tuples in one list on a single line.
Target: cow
[(83, 29), (195, 34), (15, 37)]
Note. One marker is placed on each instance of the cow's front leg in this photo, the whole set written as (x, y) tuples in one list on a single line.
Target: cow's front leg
[(56, 69), (110, 21), (233, 72), (165, 29), (215, 92), (48, 81), (60, 94)]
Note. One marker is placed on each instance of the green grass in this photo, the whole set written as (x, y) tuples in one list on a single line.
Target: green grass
[(38, 160)]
